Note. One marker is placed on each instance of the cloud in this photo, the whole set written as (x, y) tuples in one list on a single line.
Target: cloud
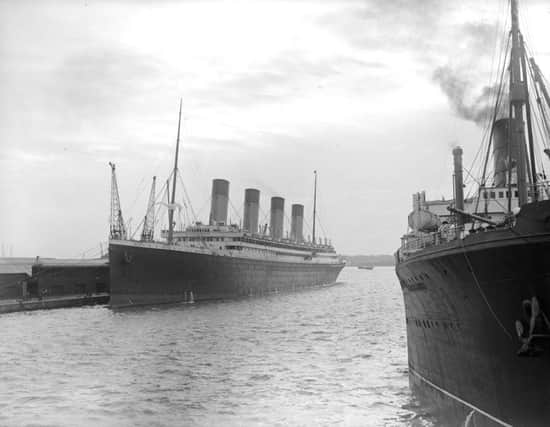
[(424, 30), (102, 79), (74, 101), (289, 75), (394, 25), (480, 37)]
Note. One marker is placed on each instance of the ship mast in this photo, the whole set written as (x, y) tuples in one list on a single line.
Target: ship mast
[(529, 122), (175, 172), (314, 204), (518, 99)]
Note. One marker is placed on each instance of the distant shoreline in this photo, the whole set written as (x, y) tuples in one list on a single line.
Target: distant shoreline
[(374, 260)]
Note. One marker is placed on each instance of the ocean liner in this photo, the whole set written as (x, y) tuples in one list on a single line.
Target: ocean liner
[(475, 271), (216, 260)]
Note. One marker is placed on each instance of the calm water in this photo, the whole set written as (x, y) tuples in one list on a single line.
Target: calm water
[(329, 356)]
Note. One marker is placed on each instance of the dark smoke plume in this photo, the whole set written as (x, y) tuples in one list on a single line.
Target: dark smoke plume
[(477, 108)]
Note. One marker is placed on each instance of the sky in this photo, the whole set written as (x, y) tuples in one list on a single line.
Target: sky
[(371, 94)]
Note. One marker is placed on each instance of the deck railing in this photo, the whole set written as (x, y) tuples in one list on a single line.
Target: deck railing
[(415, 243)]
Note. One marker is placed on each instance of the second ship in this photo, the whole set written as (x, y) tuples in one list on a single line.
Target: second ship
[(215, 260), (475, 271)]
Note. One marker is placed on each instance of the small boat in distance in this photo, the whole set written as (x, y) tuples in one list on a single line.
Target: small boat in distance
[(216, 260), (365, 267)]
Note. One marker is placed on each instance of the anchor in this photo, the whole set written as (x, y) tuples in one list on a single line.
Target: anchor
[(539, 327)]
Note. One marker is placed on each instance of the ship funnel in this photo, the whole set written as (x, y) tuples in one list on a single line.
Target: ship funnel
[(297, 223), (220, 199), (277, 217), (501, 140), (251, 209), (459, 181)]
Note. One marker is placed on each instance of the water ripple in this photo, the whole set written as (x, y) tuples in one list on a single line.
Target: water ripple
[(329, 356)]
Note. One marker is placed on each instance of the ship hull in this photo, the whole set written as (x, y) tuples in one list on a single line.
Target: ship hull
[(143, 275), (462, 301)]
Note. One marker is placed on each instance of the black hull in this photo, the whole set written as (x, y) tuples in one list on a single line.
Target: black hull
[(145, 275), (462, 301)]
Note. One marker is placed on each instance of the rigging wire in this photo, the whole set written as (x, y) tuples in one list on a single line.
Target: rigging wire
[(541, 134), (318, 219), (493, 81), (498, 99), (493, 119), (186, 198), (470, 267), (539, 115), (539, 99), (164, 194), (203, 209), (264, 221), (235, 211), (321, 227), (479, 195), (288, 221)]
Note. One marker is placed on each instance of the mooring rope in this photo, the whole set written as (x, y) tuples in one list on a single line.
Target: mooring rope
[(481, 290), (455, 397)]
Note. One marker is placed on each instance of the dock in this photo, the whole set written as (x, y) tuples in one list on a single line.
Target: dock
[(48, 303), (49, 283)]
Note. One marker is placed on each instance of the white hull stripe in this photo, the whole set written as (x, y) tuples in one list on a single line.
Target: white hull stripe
[(458, 399)]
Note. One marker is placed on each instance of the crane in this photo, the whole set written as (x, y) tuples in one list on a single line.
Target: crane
[(116, 222), (149, 220)]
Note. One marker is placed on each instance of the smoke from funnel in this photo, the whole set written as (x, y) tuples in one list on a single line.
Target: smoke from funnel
[(459, 89)]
